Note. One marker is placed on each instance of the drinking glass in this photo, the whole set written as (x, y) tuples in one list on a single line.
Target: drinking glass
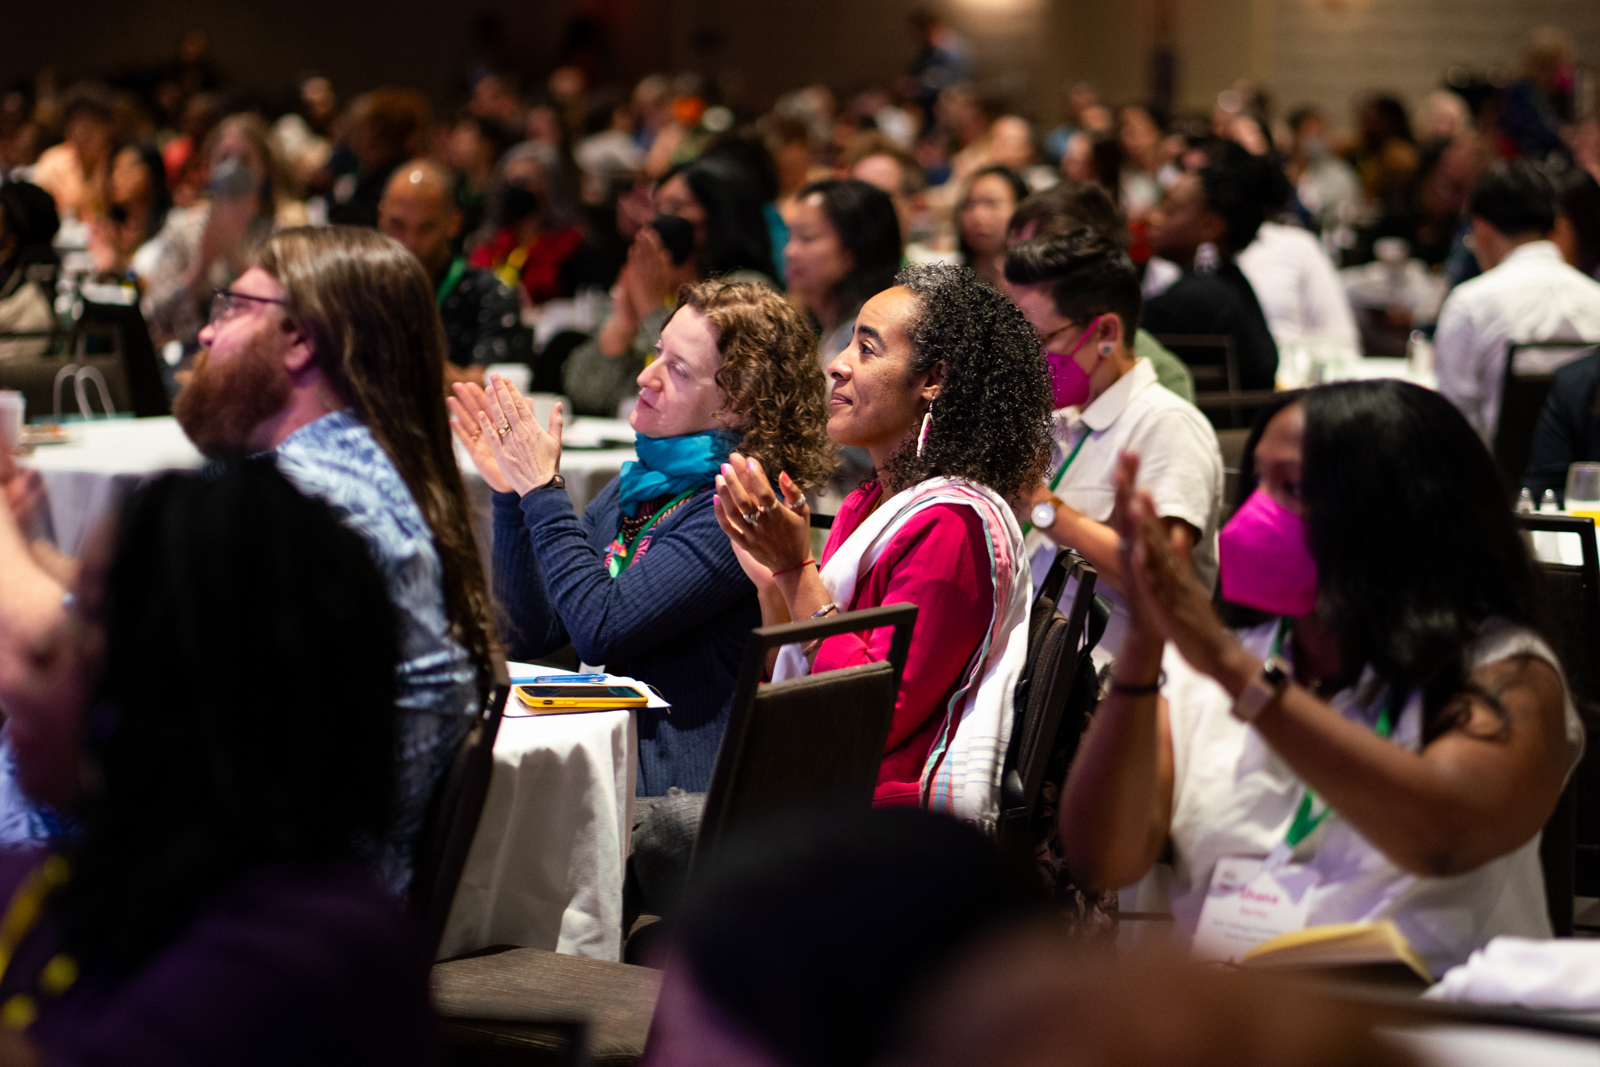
[(1583, 490)]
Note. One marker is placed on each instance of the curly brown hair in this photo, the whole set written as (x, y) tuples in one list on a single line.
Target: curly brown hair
[(777, 393)]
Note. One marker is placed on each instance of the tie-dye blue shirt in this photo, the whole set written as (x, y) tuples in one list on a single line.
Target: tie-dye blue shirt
[(337, 460)]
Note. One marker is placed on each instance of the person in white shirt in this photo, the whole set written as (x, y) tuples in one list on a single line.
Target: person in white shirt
[(1388, 732), (1081, 293), (1300, 292), (1526, 292)]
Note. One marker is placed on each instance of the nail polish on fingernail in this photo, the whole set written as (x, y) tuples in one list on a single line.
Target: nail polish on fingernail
[(750, 464), (727, 469)]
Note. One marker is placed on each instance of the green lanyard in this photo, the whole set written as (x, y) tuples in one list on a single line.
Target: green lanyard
[(620, 560), (1304, 822), (458, 267), (1028, 526)]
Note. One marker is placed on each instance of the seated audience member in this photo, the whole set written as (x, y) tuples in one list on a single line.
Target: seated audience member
[(1071, 205), (753, 963), (731, 240), (844, 247), (214, 700), (991, 196), (1326, 187), (28, 225), (481, 314), (1568, 430), (209, 245), (1395, 729), (473, 151), (877, 160), (1294, 280), (532, 227), (1526, 292), (75, 171), (645, 578), (328, 354), (1218, 206), (137, 207), (386, 128), (1081, 293), (945, 388)]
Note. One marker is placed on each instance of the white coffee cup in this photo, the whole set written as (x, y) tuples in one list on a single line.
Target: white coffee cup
[(518, 374), (13, 405), (544, 403)]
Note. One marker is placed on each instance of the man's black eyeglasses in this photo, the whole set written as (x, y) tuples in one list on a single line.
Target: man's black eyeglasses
[(225, 301)]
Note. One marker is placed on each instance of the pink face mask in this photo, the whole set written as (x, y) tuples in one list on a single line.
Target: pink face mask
[(1069, 383), (1265, 559)]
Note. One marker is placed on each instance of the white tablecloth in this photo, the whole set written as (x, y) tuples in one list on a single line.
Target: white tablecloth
[(546, 868), (105, 459)]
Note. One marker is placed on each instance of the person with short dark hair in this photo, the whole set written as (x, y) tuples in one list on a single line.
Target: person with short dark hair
[(844, 248), (1081, 293), (212, 696), (481, 314), (1526, 292), (1217, 207), (1388, 659), (1071, 205), (1568, 430)]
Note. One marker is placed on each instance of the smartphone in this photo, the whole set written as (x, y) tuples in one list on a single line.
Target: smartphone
[(579, 697)]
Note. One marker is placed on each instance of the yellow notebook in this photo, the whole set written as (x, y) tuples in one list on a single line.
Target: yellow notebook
[(1368, 944)]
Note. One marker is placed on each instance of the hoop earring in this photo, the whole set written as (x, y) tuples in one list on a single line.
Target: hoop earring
[(927, 424)]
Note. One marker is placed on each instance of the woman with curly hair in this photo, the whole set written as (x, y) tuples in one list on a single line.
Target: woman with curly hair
[(945, 387), (645, 578)]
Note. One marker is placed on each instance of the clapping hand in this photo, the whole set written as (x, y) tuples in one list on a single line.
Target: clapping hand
[(524, 455), (767, 534), (1163, 593)]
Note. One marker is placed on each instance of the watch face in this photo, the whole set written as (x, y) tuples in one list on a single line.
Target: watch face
[(1044, 514)]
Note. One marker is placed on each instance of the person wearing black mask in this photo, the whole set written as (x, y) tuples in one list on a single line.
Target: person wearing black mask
[(531, 225), (1219, 206)]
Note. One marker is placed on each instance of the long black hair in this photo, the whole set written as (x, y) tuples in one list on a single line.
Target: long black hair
[(246, 713), (991, 421), (1407, 521), (737, 237), (1019, 193), (864, 218)]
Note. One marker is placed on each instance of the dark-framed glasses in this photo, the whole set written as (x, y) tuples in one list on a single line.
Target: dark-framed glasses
[(224, 302)]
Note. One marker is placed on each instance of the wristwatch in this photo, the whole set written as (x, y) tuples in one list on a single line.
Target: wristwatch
[(557, 482), (1044, 513), (1262, 690)]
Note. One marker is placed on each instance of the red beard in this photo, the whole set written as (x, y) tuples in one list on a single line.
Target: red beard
[(221, 406)]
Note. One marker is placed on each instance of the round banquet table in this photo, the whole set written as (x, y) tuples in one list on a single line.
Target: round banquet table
[(106, 458), (546, 866)]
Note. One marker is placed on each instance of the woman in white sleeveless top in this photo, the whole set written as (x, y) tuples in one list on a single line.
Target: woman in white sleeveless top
[(1387, 739)]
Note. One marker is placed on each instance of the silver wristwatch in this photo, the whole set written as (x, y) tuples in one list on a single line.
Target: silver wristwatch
[(1044, 514), (1272, 680)]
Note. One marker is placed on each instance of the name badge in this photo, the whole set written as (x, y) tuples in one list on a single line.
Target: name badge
[(1251, 901)]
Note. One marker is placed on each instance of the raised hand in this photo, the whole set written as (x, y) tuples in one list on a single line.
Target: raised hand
[(527, 454), (776, 535), (465, 407)]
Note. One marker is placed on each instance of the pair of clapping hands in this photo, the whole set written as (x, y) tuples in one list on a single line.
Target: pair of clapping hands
[(509, 447)]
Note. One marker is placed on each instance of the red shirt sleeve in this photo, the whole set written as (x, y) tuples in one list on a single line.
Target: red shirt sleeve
[(938, 561)]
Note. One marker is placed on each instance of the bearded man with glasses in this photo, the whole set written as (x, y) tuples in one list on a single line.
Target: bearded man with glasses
[(327, 353)]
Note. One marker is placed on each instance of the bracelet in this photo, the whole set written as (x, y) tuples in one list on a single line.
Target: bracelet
[(826, 609), (1129, 690), (797, 566), (556, 482)]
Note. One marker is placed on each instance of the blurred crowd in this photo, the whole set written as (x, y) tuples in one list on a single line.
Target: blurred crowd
[(559, 217)]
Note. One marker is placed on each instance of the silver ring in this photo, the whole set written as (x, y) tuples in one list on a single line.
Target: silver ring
[(751, 517)]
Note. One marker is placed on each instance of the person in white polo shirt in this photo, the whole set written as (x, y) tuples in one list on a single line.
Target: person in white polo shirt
[(1081, 293)]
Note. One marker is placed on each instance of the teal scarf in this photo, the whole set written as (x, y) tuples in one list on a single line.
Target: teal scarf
[(673, 464)]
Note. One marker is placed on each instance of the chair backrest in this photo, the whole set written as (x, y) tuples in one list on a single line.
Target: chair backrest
[(1210, 356), (1233, 410), (1058, 644), (453, 820), (125, 325), (814, 739), (1522, 395), (1570, 848)]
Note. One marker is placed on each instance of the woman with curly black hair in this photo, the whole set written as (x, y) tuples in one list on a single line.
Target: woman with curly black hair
[(945, 387), (644, 576)]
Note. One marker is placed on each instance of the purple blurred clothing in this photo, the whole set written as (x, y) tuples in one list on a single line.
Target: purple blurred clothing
[(305, 964)]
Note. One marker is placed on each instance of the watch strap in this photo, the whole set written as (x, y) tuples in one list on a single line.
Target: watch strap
[(1263, 689)]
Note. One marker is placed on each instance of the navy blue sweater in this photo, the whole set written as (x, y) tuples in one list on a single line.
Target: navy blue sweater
[(678, 618)]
